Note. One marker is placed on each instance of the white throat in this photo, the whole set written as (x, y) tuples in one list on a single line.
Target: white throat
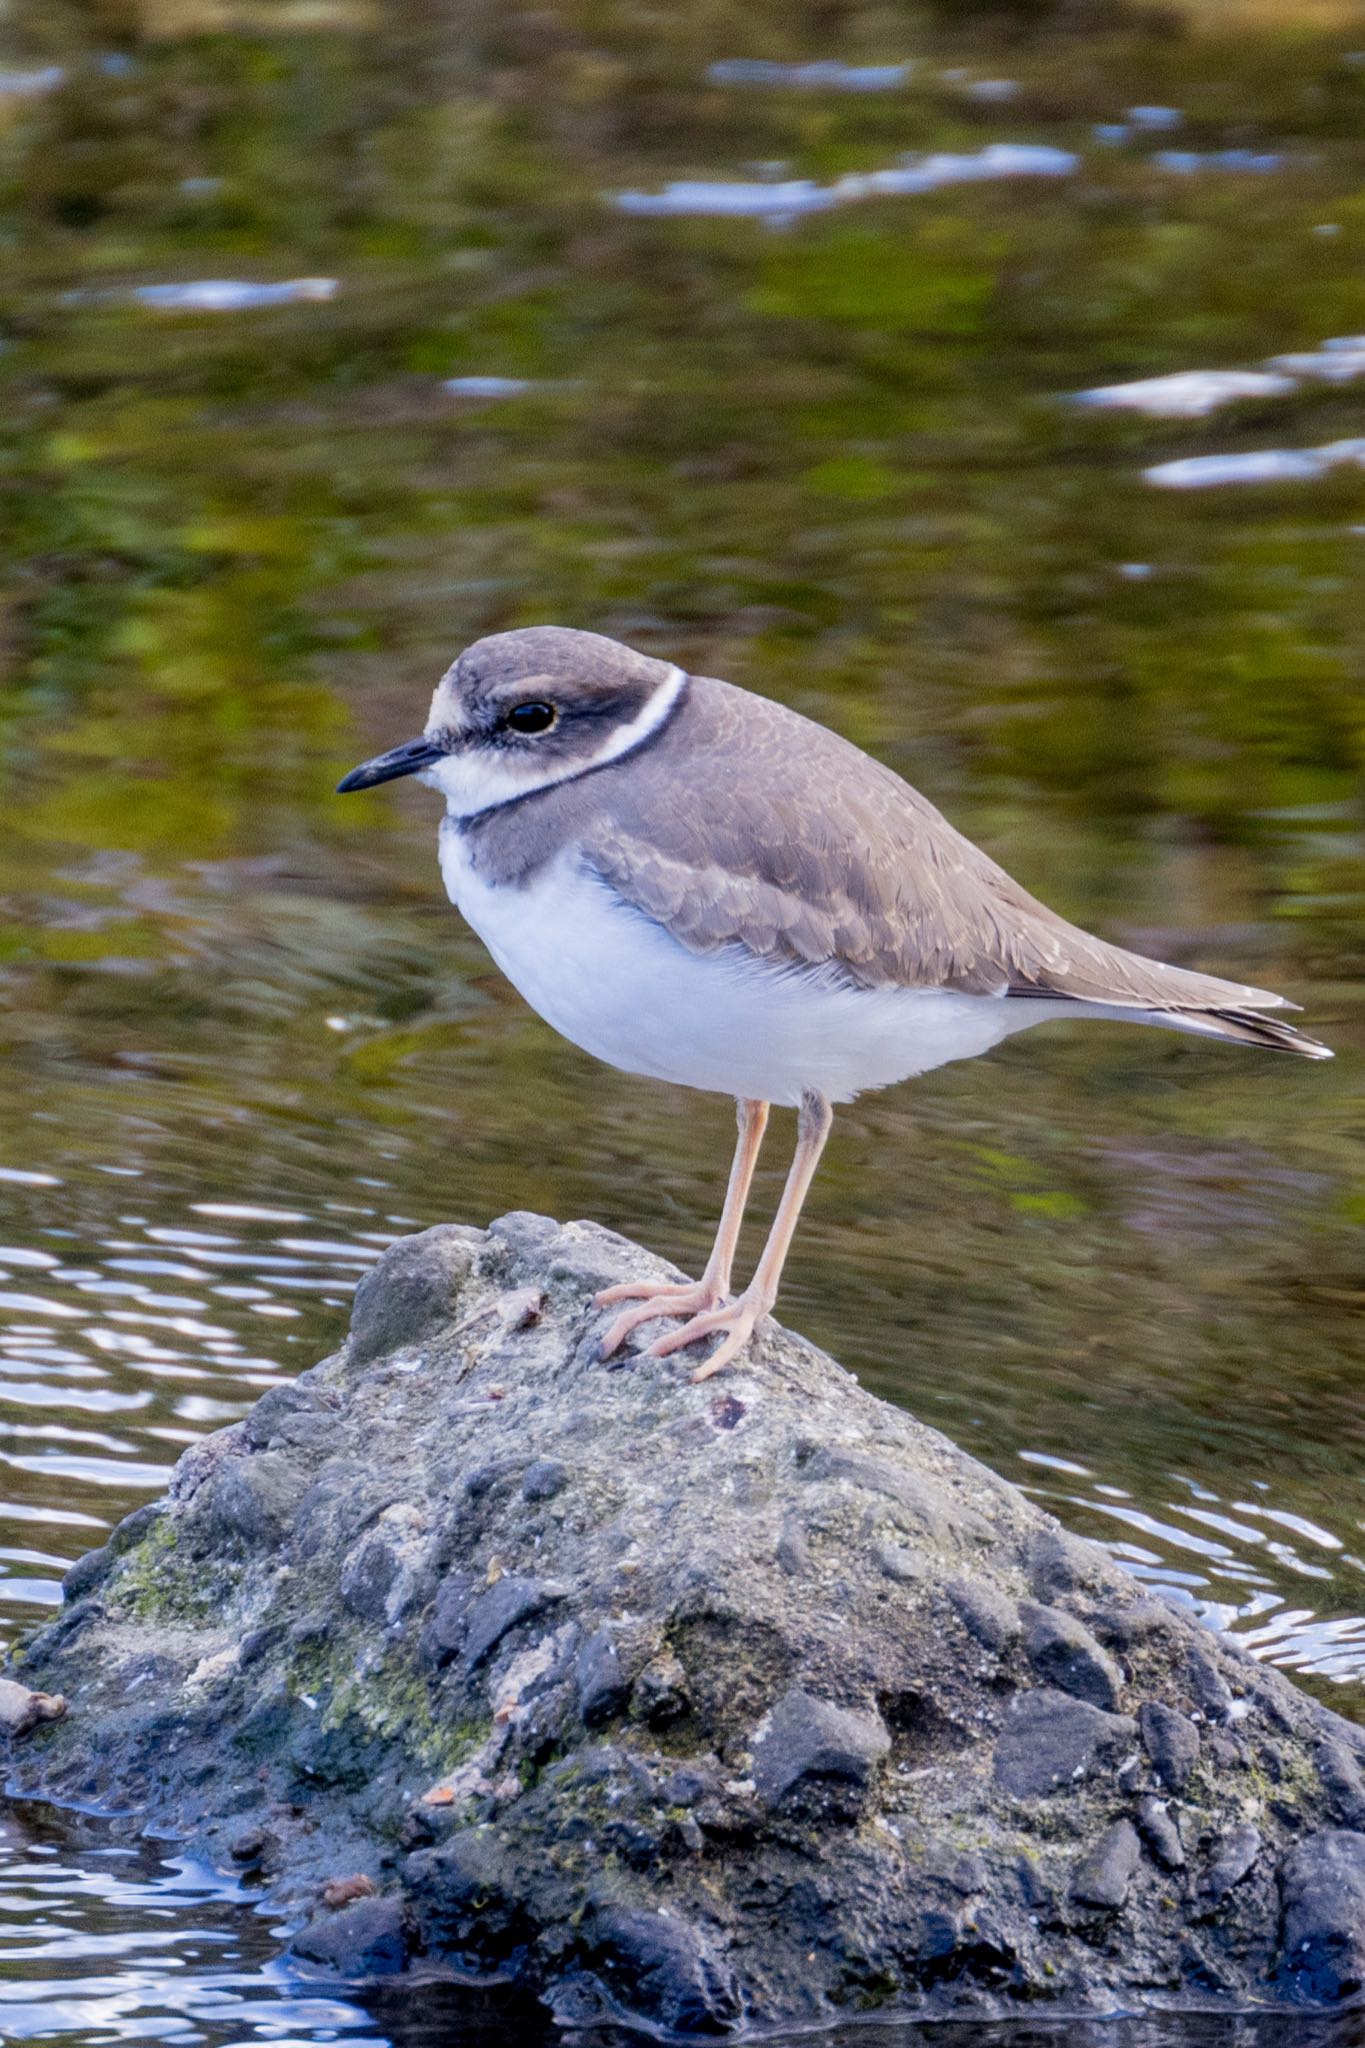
[(478, 781)]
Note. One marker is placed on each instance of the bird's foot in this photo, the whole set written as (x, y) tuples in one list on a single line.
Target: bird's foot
[(737, 1320), (653, 1299)]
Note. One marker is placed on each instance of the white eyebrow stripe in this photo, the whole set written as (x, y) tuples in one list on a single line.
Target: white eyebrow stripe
[(471, 785), (643, 726)]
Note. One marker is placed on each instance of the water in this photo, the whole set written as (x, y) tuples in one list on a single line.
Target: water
[(328, 344)]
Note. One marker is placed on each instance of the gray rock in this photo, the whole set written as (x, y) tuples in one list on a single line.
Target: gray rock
[(658, 1968), (511, 1601), (807, 1739), (275, 1407), (686, 1707), (1105, 1872), (365, 1939), (1341, 1781), (660, 1695), (1059, 1563), (1234, 1858), (544, 1479), (1322, 1885), (1171, 1740), (1209, 1690), (252, 1500), (985, 1613), (1066, 1655), (447, 1621), (1160, 1833), (1051, 1742), (602, 1687), (920, 1498), (410, 1295), (87, 1573)]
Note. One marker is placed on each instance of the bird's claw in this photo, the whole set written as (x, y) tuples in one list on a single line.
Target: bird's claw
[(660, 1298), (737, 1319)]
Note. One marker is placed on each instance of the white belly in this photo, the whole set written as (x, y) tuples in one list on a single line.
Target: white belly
[(616, 984)]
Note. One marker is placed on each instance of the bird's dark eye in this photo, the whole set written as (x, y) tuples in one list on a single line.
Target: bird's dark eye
[(532, 717)]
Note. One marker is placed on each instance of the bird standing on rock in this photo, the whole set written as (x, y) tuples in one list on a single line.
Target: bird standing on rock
[(695, 883)]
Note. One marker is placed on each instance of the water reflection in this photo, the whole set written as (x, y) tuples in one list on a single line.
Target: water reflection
[(785, 199), (324, 352)]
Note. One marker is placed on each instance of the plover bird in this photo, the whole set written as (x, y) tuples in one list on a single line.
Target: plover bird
[(694, 883)]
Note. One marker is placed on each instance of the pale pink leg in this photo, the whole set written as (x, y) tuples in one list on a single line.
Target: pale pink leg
[(738, 1319), (688, 1297)]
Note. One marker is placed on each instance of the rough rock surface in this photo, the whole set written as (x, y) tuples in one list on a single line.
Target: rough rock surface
[(711, 1705)]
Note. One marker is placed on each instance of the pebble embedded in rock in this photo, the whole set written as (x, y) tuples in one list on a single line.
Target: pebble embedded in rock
[(685, 1787), (501, 1609), (1060, 1563), (410, 1294), (1341, 1781), (1122, 1628), (367, 1938), (960, 1869), (902, 1566), (1065, 1654), (985, 1613), (1209, 1689), (809, 1739), (92, 1569), (466, 1891), (1322, 1886), (1171, 1740), (1050, 1742), (544, 1479), (665, 1967), (252, 1499), (134, 1526), (1104, 1874), (447, 1620), (793, 1547), (87, 1573), (920, 1497), (602, 1687), (1234, 1858), (366, 1578), (261, 1427), (660, 1695), (1160, 1833)]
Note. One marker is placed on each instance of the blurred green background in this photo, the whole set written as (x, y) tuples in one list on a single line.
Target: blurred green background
[(834, 456)]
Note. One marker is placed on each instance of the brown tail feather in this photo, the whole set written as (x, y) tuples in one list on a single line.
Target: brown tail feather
[(1247, 1027)]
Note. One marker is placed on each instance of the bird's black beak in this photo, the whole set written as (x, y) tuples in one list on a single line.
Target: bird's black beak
[(405, 760)]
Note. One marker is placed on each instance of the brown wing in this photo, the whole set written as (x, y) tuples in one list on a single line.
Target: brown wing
[(747, 824)]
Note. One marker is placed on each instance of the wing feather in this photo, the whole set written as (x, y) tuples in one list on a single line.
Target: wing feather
[(744, 824)]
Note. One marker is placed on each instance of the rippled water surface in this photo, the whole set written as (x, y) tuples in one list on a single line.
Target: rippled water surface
[(335, 334)]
